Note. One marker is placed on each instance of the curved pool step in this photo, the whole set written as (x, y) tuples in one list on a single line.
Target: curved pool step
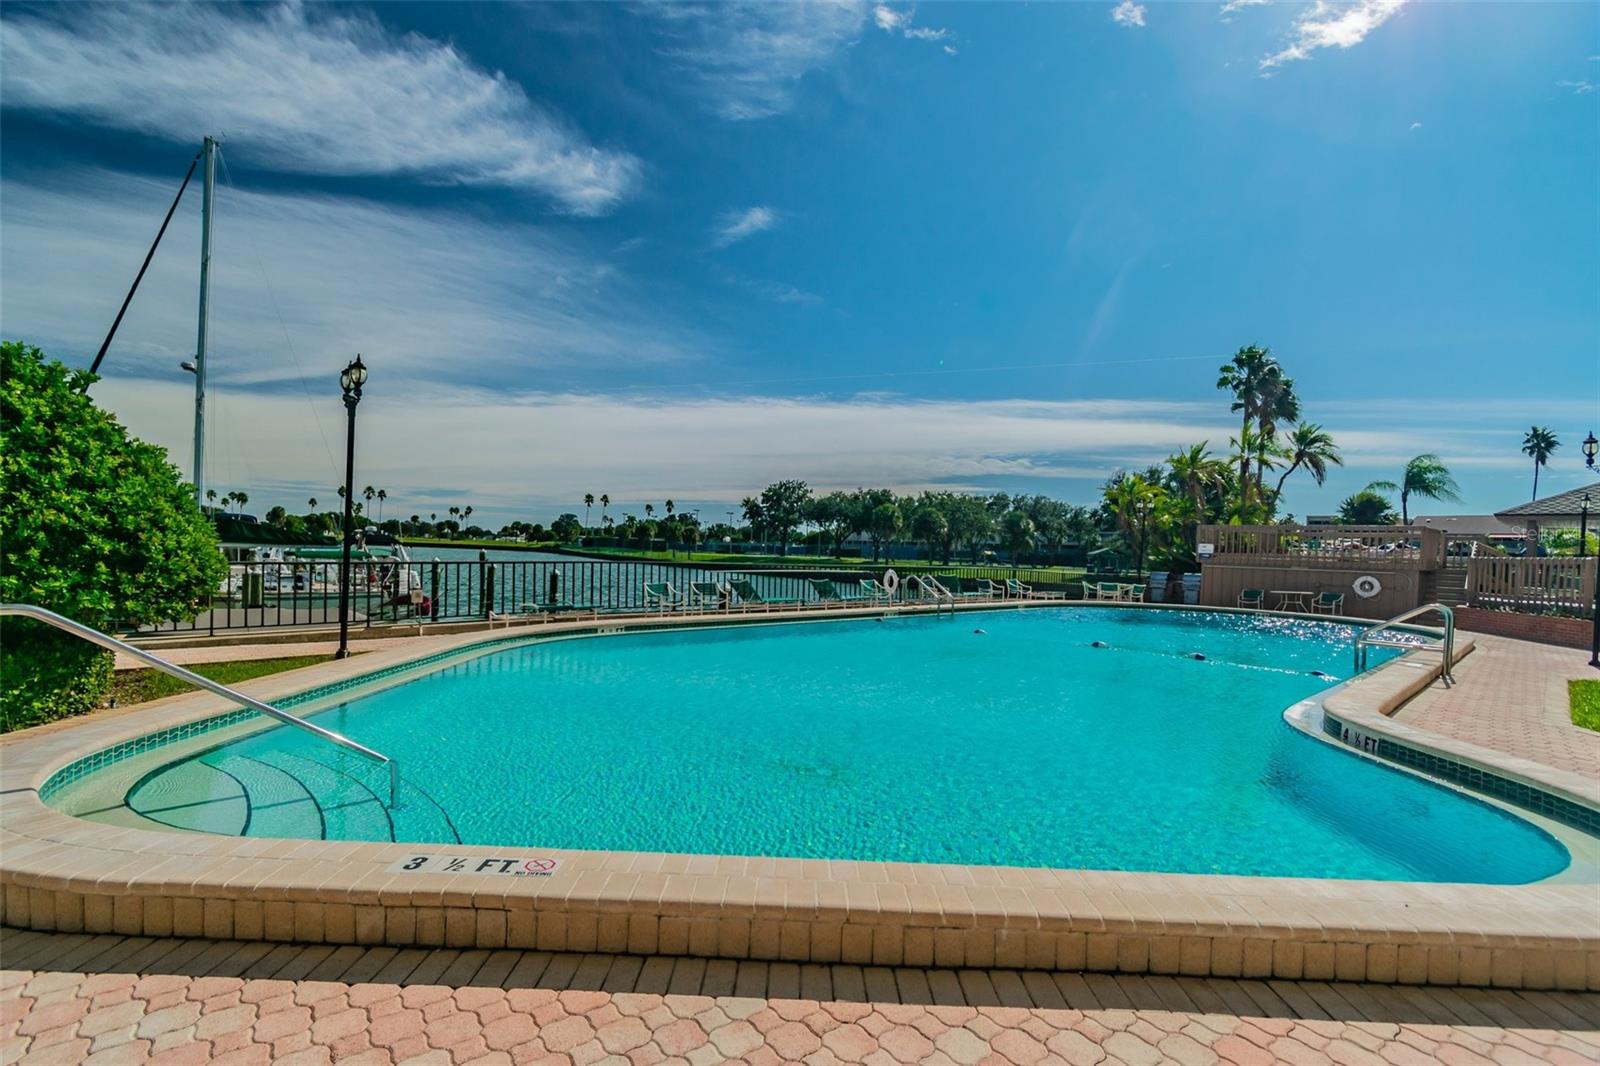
[(280, 803), (193, 795), (351, 810), (417, 819)]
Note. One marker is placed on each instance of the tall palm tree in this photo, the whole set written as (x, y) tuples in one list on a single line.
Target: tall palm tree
[(383, 494), (1425, 476), (605, 501), (588, 502), (1538, 445), (312, 503), (211, 497), (239, 500), (649, 509), (1312, 447), (1262, 394), (466, 513), (670, 507)]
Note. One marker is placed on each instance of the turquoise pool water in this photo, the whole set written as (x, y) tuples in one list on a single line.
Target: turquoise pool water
[(913, 739)]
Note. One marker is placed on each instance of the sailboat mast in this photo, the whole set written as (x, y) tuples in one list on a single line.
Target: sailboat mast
[(209, 152)]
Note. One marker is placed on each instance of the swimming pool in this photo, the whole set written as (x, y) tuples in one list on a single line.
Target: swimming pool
[(993, 738)]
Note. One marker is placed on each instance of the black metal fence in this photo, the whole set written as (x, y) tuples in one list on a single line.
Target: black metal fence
[(277, 595)]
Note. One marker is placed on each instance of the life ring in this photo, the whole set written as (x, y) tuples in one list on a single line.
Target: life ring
[(1366, 586), (891, 581)]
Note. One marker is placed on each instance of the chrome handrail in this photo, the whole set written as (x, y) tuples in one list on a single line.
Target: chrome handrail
[(1447, 647), (94, 636)]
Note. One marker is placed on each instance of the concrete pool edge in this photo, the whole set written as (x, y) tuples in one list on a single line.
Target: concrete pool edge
[(64, 873)]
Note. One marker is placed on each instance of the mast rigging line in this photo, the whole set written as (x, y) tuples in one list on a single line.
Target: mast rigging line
[(94, 367)]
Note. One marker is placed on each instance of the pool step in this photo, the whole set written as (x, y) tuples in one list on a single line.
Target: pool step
[(351, 810), (293, 795), (193, 795), (280, 804)]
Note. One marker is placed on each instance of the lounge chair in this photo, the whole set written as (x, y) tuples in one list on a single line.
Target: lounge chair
[(749, 597), (1017, 589), (827, 592), (709, 595), (1108, 590), (925, 587), (873, 592), (1328, 603), (1252, 598), (662, 596), (955, 588)]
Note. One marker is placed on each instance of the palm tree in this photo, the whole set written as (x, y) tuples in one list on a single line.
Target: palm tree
[(1425, 476), (605, 501), (649, 509), (383, 494), (669, 508), (588, 502), (1253, 448), (1196, 470), (1538, 445), (1018, 532), (1262, 394), (312, 503), (1312, 447), (211, 498), (1137, 505)]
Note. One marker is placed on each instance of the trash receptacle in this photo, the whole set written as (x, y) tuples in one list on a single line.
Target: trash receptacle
[(1156, 592), (1191, 588)]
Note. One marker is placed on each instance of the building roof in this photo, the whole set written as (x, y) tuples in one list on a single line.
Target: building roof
[(1469, 525), (1567, 504)]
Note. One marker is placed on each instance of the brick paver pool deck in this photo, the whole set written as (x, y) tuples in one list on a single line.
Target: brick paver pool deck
[(67, 999), (1490, 704)]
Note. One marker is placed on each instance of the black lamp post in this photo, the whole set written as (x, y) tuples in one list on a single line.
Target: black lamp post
[(351, 378), (1590, 448)]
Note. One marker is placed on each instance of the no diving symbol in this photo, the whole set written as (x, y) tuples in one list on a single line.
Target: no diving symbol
[(539, 866)]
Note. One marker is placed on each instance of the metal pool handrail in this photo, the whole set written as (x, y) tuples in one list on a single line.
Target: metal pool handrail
[(1447, 648), (94, 636)]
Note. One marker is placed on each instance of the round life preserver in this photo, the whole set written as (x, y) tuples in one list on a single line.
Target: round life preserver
[(891, 581), (1366, 586)]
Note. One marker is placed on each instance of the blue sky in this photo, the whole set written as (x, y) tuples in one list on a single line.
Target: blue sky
[(683, 250)]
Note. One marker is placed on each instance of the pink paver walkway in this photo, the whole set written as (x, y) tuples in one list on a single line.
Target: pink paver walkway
[(1511, 696), (122, 1001)]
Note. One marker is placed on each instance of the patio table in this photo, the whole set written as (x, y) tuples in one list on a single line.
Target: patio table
[(1301, 601)]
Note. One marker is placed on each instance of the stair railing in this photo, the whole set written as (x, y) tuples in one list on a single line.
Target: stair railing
[(94, 636), (1446, 646)]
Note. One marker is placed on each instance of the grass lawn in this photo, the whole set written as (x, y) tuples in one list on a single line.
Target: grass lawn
[(143, 685), (1584, 697), (467, 542)]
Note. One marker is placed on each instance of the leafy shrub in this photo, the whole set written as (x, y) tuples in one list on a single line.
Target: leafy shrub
[(95, 525)]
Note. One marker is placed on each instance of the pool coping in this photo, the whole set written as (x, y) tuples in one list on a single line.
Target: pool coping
[(63, 873)]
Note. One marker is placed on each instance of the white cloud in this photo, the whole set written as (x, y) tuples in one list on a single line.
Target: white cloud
[(1128, 13), (428, 296), (1578, 87), (1416, 125), (891, 21), (735, 226), (750, 58), (304, 90), (1233, 7), (1329, 25)]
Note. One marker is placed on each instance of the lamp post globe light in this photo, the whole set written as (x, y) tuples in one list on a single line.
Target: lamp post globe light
[(351, 378)]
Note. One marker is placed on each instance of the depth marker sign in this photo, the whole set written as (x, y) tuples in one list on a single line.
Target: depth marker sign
[(521, 866)]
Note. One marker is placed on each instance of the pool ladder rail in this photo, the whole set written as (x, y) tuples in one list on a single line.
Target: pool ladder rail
[(1446, 645), (94, 636)]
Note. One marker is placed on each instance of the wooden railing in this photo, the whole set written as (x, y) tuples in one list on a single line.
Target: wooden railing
[(1548, 585), (1325, 547)]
